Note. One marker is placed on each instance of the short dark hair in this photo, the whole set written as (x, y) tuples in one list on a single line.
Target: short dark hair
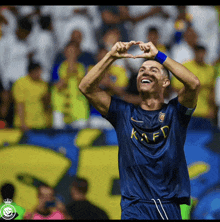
[(199, 47), (32, 66), (81, 184), (166, 72), (24, 23), (45, 21), (153, 29), (7, 191)]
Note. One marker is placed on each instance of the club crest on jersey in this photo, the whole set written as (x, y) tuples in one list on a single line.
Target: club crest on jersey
[(161, 117)]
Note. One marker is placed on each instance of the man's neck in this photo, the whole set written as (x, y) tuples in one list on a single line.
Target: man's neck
[(200, 63), (43, 210), (151, 103)]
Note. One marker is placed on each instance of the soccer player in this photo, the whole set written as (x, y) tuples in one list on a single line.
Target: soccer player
[(153, 172)]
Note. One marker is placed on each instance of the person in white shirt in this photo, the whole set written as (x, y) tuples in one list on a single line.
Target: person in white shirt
[(184, 51), (14, 53), (14, 60), (146, 16), (10, 26), (67, 18), (60, 15), (45, 47), (83, 20), (205, 21)]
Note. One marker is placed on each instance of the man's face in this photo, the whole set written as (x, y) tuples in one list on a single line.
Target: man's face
[(36, 74), (151, 78), (22, 34), (46, 194), (76, 36), (153, 37), (71, 51), (200, 56)]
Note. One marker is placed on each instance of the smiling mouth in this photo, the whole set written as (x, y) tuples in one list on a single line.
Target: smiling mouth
[(146, 81)]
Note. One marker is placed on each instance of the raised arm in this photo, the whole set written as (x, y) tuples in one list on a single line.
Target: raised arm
[(89, 85), (188, 95)]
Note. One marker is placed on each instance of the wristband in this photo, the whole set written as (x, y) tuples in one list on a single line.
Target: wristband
[(160, 57)]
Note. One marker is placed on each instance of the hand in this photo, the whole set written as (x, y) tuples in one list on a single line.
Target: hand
[(150, 51), (119, 50)]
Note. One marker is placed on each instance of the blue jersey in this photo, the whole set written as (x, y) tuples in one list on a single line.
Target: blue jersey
[(151, 157)]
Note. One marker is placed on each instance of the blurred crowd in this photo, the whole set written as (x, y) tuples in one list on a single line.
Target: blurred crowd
[(46, 50), (51, 206)]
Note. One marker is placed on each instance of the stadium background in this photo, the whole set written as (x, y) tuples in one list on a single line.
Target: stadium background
[(55, 156)]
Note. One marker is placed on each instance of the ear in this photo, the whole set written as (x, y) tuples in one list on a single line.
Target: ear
[(166, 83)]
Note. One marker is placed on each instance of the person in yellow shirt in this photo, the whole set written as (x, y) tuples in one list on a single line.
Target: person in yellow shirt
[(206, 107), (116, 81), (154, 37), (67, 100), (32, 100), (116, 75)]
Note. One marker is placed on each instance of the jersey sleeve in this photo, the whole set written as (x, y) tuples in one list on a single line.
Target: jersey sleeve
[(18, 92), (184, 113), (116, 111)]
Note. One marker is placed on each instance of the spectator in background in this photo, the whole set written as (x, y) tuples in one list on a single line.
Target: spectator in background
[(45, 47), (9, 13), (14, 59), (60, 15), (69, 104), (7, 192), (206, 107), (84, 57), (205, 21), (114, 17), (181, 23), (46, 208), (116, 76), (68, 18), (80, 208), (82, 19), (145, 16), (184, 51), (109, 39), (32, 100), (3, 21)]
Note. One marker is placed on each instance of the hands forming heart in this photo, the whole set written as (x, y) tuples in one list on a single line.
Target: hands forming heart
[(119, 50)]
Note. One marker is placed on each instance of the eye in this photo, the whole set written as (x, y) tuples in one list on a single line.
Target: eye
[(154, 70)]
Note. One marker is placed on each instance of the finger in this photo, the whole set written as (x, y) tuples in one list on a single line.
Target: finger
[(118, 47), (142, 47), (123, 46), (147, 48), (127, 56), (129, 44), (140, 56), (139, 42)]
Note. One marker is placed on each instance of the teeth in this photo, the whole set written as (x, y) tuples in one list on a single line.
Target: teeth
[(146, 81)]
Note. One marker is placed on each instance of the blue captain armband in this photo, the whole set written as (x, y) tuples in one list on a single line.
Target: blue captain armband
[(160, 57)]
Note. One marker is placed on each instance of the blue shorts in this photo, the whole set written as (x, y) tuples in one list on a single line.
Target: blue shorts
[(152, 210)]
